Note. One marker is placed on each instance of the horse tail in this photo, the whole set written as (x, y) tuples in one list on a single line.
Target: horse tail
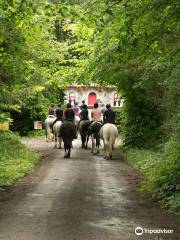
[(112, 139), (97, 137)]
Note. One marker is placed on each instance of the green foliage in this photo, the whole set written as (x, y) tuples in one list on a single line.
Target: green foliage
[(161, 172), (5, 117), (36, 133), (133, 45), (15, 158)]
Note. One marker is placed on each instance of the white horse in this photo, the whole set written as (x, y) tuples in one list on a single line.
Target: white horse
[(76, 120), (108, 133), (56, 130), (48, 127)]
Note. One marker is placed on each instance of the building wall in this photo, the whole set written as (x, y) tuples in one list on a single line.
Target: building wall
[(79, 93)]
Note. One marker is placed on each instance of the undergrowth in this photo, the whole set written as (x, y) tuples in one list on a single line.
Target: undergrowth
[(15, 158), (161, 171), (36, 133)]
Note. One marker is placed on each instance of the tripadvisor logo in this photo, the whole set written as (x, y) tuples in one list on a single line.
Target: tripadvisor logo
[(139, 231)]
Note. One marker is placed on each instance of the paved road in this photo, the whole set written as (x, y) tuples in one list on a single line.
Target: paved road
[(84, 198)]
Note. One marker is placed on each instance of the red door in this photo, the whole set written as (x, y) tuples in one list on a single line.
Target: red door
[(91, 98)]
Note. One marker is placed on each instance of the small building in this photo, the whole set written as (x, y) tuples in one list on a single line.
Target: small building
[(91, 94)]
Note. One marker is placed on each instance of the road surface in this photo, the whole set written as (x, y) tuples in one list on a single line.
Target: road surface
[(82, 198)]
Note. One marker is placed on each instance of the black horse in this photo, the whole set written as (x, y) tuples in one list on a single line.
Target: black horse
[(93, 131), (83, 129), (68, 134)]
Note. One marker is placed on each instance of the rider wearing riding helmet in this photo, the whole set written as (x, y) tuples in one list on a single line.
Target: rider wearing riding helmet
[(84, 114), (59, 114), (51, 110), (96, 114), (76, 109), (83, 105), (109, 115), (69, 116)]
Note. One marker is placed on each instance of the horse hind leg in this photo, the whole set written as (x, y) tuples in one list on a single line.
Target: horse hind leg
[(111, 146), (83, 141), (105, 149), (48, 135), (60, 142), (55, 146), (86, 142), (69, 153), (97, 144), (93, 146)]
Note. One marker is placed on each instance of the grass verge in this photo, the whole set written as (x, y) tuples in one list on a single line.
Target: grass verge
[(15, 158), (161, 174), (36, 133)]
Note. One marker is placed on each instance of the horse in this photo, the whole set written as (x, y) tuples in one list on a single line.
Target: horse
[(93, 131), (56, 130), (108, 133), (83, 129), (48, 127), (76, 121), (67, 132)]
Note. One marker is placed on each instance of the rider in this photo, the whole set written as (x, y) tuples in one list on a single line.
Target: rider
[(84, 114), (69, 116), (76, 109), (83, 104), (51, 110), (96, 114), (59, 114), (109, 115), (103, 109)]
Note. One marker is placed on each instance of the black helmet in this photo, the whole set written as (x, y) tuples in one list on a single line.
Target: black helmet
[(68, 105), (108, 106), (96, 105)]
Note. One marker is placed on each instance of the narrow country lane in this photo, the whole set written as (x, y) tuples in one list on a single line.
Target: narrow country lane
[(82, 198)]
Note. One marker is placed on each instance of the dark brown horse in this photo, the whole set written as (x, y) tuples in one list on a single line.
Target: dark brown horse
[(68, 134), (83, 129)]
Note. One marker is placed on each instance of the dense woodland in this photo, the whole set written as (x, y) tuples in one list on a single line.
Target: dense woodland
[(133, 45)]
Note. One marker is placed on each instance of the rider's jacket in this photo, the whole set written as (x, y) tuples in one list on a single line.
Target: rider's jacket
[(59, 113), (84, 114), (76, 110), (83, 106), (109, 116), (96, 115), (69, 115)]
